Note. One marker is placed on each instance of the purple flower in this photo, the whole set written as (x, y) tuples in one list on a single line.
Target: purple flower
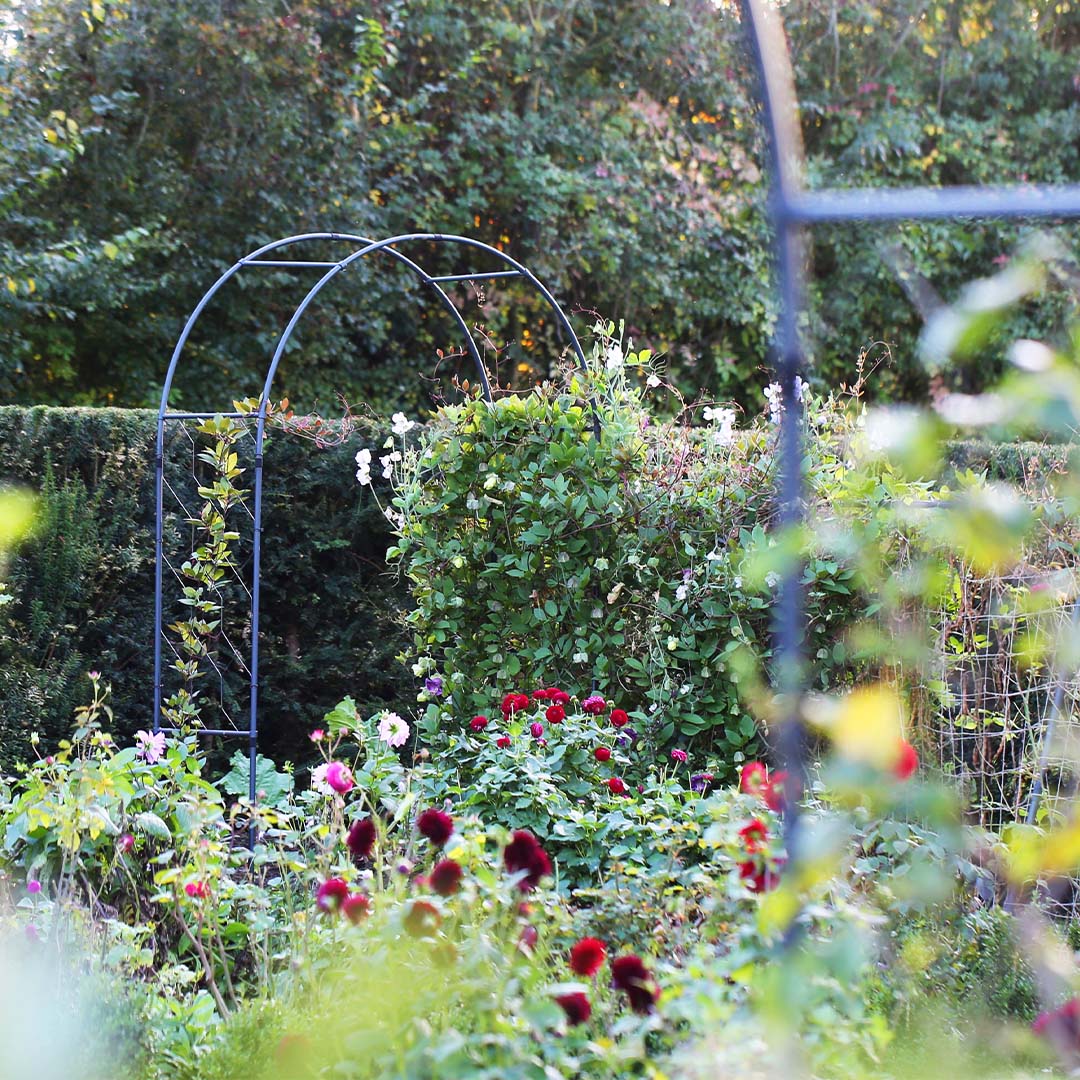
[(701, 782), (33, 887), (433, 685), (151, 748), (627, 737)]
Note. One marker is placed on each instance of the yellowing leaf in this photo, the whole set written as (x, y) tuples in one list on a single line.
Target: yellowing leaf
[(865, 726), (110, 249)]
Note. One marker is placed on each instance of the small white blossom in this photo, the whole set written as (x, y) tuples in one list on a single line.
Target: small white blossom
[(672, 643), (774, 396), (318, 779), (681, 591), (653, 381), (580, 658), (472, 502), (491, 481), (363, 466), (601, 563), (562, 557), (402, 424), (772, 580), (614, 358), (387, 462)]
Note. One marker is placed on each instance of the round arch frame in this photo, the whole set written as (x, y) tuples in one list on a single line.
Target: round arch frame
[(263, 257)]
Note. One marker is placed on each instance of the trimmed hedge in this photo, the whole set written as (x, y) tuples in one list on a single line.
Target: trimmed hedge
[(332, 614), (83, 586)]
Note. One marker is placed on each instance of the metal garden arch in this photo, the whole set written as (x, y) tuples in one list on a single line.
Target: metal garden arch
[(264, 257)]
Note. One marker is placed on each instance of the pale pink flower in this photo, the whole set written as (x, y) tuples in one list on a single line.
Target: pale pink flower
[(318, 779), (393, 730), (151, 748)]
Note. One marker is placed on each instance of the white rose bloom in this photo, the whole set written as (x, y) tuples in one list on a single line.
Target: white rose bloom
[(402, 424)]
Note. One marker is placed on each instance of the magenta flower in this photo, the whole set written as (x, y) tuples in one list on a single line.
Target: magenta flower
[(594, 705), (537, 729), (679, 755), (33, 887), (125, 843), (339, 777), (355, 907), (317, 735)]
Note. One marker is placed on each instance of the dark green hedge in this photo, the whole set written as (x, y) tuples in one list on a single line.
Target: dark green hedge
[(332, 624), (82, 588)]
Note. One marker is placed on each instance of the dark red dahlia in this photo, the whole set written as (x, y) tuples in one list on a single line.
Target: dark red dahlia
[(576, 1006), (594, 705), (602, 753), (478, 723), (541, 695), (616, 786), (445, 878), (559, 697), (331, 894), (619, 717), (524, 853), (361, 838), (503, 741), (758, 877), (632, 977), (355, 908), (555, 714), (422, 919), (437, 826), (587, 956)]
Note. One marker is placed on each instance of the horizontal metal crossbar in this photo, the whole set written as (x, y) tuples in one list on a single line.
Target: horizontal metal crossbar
[(890, 204), (207, 731), (205, 416), (288, 262), (473, 277)]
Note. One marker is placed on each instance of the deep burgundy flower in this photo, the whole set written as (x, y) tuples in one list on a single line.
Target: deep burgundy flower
[(361, 838), (478, 723), (436, 826), (541, 695), (753, 778), (907, 761), (754, 834), (525, 853), (559, 697), (576, 1006), (125, 843), (422, 919), (619, 717), (555, 714), (537, 729), (445, 878), (528, 938), (355, 908), (616, 786), (503, 741), (701, 782), (602, 753), (679, 756), (775, 792), (587, 956), (332, 894), (1062, 1024), (594, 705), (632, 977)]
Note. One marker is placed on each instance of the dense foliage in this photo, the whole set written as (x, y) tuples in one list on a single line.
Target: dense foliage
[(609, 145)]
